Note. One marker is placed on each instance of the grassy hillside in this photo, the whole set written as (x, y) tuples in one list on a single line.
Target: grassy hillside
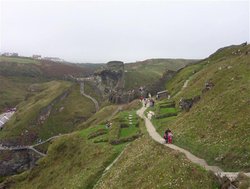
[(21, 66), (77, 160), (217, 127), (68, 113), (148, 71), (146, 164), (13, 90), (52, 108), (26, 117)]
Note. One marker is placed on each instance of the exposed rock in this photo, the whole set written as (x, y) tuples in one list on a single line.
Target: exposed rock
[(13, 162), (186, 104), (208, 86), (45, 112)]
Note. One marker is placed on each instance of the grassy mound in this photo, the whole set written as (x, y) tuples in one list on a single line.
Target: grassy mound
[(146, 164)]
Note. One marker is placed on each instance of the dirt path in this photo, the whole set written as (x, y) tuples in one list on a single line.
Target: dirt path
[(31, 147), (155, 136), (186, 83), (90, 97)]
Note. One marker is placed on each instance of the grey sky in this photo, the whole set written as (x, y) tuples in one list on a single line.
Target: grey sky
[(99, 31)]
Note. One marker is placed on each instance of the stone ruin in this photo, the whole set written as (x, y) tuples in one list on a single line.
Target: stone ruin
[(110, 81)]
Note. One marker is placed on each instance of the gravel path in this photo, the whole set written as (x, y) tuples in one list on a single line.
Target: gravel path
[(90, 97), (155, 136)]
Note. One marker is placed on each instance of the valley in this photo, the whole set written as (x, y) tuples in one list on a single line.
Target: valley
[(83, 126)]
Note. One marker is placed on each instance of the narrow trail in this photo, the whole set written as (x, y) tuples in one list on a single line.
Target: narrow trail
[(186, 83), (184, 86), (155, 136), (31, 147), (108, 167), (89, 97)]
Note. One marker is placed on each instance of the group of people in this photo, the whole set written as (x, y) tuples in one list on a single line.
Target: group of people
[(146, 101), (168, 136)]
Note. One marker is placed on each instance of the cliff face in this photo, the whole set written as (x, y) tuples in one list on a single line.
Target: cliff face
[(110, 80)]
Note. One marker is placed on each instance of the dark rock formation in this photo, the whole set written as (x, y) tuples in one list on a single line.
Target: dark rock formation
[(13, 162), (186, 104), (208, 86), (110, 80)]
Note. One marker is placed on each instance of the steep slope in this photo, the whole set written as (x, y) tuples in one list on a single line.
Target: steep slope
[(13, 90), (217, 127), (78, 160), (147, 72), (145, 164)]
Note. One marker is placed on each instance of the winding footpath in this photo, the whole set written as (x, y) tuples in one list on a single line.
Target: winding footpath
[(31, 147), (5, 118), (155, 136), (89, 97)]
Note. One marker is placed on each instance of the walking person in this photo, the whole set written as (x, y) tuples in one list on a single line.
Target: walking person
[(170, 137), (166, 135)]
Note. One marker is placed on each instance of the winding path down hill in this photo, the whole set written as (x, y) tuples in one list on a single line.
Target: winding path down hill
[(31, 147), (155, 136), (91, 98)]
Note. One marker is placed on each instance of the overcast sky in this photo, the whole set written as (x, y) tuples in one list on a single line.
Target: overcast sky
[(100, 31)]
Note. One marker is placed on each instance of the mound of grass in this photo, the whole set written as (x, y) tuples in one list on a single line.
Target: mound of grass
[(145, 164)]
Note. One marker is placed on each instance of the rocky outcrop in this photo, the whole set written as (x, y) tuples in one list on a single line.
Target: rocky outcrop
[(13, 162), (45, 112), (186, 104), (110, 80), (208, 86)]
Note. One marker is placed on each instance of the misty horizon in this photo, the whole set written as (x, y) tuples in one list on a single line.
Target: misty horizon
[(98, 32)]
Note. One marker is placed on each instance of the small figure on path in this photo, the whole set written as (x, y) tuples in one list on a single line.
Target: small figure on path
[(166, 135), (170, 137)]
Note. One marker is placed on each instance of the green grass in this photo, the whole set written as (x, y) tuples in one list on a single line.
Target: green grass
[(72, 162), (217, 127), (67, 114), (21, 60), (13, 90), (133, 128), (99, 117), (146, 164), (148, 71), (27, 112)]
